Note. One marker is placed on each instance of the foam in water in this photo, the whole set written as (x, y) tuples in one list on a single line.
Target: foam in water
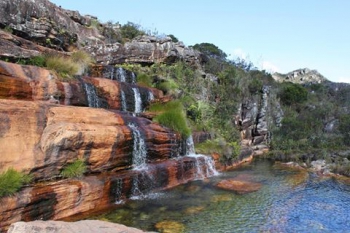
[(138, 100), (123, 100), (139, 153), (91, 94)]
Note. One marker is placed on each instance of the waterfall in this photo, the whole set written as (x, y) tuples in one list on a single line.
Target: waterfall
[(91, 94), (119, 191), (133, 78), (121, 74), (150, 96), (190, 145), (138, 100), (67, 93), (139, 152), (123, 100), (204, 165)]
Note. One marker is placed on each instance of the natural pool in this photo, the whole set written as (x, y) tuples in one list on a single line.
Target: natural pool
[(289, 201)]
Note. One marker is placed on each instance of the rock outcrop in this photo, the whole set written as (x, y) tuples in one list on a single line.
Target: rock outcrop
[(239, 186), (145, 50), (45, 23), (255, 118), (86, 226), (300, 76)]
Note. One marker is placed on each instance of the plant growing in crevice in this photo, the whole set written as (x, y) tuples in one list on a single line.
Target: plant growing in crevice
[(11, 181), (74, 169)]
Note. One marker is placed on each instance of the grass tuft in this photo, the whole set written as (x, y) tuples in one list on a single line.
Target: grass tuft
[(75, 169), (11, 181)]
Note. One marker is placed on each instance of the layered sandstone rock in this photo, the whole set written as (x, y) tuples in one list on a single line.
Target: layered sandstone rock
[(66, 198), (35, 83), (41, 138)]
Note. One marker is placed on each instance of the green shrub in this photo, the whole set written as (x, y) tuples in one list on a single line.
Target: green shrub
[(33, 61), (174, 120), (167, 86), (75, 169), (64, 67), (210, 147), (169, 106), (144, 80), (344, 128), (293, 94), (131, 30), (11, 181), (81, 57)]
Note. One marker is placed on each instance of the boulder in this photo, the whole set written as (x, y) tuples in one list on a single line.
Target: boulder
[(239, 186), (86, 226)]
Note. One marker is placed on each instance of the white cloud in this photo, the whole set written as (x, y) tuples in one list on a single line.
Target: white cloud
[(269, 67), (239, 53)]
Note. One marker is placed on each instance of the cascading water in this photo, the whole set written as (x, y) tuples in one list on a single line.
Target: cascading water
[(121, 74), (139, 152), (91, 94), (205, 165), (119, 191), (133, 78), (123, 100), (138, 100), (150, 96)]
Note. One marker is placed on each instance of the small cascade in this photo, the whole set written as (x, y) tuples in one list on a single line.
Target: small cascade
[(190, 145), (205, 165), (139, 152), (133, 78), (91, 94), (118, 191), (123, 100), (138, 100), (67, 93), (150, 96), (120, 74)]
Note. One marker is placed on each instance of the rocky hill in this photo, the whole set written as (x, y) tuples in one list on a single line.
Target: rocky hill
[(302, 76)]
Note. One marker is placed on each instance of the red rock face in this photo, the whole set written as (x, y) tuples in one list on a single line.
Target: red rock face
[(62, 199), (41, 132)]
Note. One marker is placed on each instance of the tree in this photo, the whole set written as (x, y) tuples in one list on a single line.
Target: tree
[(173, 38), (131, 30), (210, 50), (293, 93)]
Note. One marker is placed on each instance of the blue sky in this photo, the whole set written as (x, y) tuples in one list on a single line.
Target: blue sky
[(276, 35)]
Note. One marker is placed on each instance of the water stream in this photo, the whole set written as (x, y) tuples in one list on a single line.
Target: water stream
[(91, 95), (289, 201)]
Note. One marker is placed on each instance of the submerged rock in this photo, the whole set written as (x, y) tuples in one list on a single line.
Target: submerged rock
[(239, 186), (170, 227)]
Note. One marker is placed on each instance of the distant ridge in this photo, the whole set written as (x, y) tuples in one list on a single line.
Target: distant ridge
[(301, 76)]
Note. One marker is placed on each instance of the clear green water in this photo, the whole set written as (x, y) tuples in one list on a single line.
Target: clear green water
[(289, 201)]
